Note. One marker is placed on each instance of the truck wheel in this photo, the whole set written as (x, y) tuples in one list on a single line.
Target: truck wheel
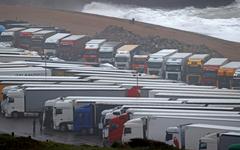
[(63, 127), (15, 114)]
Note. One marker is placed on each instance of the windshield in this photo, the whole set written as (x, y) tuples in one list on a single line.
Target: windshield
[(209, 74), (91, 52), (25, 40), (154, 64), (141, 62), (105, 55), (121, 59), (38, 43), (6, 38), (194, 69), (50, 46), (173, 68)]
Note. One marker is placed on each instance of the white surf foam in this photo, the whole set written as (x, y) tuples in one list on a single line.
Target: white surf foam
[(222, 22)]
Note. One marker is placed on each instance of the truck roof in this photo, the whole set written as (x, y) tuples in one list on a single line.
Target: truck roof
[(209, 126), (22, 69), (164, 52), (31, 30), (216, 61), (56, 37), (198, 56), (231, 134), (179, 55), (42, 32), (96, 41), (20, 56), (73, 37), (233, 64), (127, 48), (140, 56), (110, 44), (68, 88), (14, 29)]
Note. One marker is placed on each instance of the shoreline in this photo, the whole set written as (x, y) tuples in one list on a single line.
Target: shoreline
[(90, 24)]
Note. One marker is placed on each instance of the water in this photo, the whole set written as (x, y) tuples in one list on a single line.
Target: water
[(222, 22)]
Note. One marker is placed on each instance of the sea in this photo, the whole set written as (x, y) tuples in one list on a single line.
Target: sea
[(221, 22)]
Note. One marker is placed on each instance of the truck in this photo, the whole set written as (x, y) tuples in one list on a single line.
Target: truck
[(225, 74), (13, 57), (25, 37), (210, 70), (176, 66), (156, 61), (25, 71), (140, 63), (187, 136), (195, 68), (91, 50), (124, 56), (52, 43), (71, 47), (90, 106), (9, 37), (107, 52), (157, 128), (236, 80), (38, 39), (112, 135), (26, 101)]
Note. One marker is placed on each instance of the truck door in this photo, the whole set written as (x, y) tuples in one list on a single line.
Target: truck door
[(83, 120)]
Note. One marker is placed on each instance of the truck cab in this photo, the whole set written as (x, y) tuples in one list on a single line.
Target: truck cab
[(195, 68), (124, 56), (176, 66), (91, 50), (140, 63), (9, 37), (107, 52), (25, 37), (14, 103), (226, 74), (236, 80)]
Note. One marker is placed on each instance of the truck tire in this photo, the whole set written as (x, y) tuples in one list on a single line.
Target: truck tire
[(14, 114), (63, 127)]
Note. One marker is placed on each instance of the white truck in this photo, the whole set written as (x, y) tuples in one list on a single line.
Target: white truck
[(156, 62), (25, 71), (107, 52), (155, 127), (188, 136), (124, 56), (176, 66), (21, 102)]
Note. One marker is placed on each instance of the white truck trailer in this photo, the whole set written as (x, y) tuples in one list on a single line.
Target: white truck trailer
[(155, 127), (20, 102), (176, 66), (188, 136)]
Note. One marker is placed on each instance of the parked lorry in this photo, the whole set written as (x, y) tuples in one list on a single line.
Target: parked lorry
[(155, 127), (16, 57), (38, 39), (114, 128), (195, 68), (25, 71), (25, 101), (124, 56), (236, 80), (107, 52), (87, 106), (176, 66), (25, 37), (226, 73), (10, 37), (71, 47), (52, 43), (156, 62), (140, 63), (188, 136), (210, 70), (219, 140), (91, 50)]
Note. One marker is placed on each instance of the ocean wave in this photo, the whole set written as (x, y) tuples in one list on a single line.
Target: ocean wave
[(222, 22)]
